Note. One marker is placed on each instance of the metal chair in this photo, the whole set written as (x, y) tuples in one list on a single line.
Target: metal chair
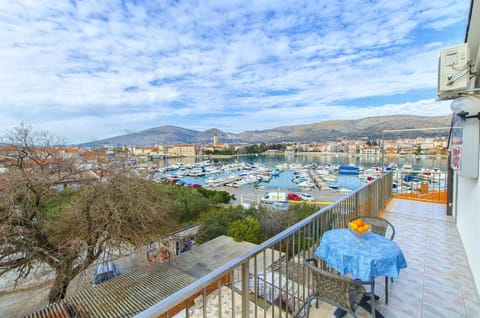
[(382, 227), (339, 291)]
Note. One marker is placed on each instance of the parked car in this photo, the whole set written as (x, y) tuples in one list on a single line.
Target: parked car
[(294, 197), (271, 197), (104, 272), (306, 197)]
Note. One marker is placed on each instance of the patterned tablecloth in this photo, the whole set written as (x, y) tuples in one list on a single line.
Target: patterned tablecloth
[(364, 258)]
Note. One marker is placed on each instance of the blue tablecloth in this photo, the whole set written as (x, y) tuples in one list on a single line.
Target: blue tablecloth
[(365, 258)]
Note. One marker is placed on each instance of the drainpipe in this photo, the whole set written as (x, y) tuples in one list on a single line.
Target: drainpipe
[(449, 208)]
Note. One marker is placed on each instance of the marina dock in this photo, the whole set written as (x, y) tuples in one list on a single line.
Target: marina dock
[(317, 180)]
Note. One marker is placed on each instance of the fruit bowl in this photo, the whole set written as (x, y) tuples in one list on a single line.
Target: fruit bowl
[(359, 234), (359, 228)]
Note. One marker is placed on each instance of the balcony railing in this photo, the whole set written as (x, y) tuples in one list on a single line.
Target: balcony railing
[(427, 186), (270, 280)]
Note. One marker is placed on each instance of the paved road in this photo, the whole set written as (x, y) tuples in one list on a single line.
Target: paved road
[(251, 195)]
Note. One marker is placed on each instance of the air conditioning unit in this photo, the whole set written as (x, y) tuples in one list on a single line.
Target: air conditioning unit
[(453, 71)]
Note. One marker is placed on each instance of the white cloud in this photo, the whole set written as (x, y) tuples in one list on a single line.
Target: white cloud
[(283, 116), (100, 67)]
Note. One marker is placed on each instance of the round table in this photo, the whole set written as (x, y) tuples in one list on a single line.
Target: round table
[(364, 258)]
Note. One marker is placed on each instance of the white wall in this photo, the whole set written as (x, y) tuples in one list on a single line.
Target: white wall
[(467, 190), (468, 221)]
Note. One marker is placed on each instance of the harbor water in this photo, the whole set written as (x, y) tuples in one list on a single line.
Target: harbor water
[(291, 164)]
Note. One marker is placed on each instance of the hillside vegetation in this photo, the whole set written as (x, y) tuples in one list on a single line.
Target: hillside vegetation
[(370, 128)]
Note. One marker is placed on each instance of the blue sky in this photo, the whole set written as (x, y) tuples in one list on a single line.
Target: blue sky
[(88, 70)]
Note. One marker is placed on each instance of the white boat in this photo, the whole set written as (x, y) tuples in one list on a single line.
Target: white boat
[(276, 172), (370, 174), (392, 166), (322, 171), (407, 168), (426, 172), (210, 180), (306, 184), (329, 178), (436, 170), (266, 178), (295, 166)]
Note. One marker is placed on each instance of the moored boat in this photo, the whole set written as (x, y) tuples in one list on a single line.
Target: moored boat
[(348, 170)]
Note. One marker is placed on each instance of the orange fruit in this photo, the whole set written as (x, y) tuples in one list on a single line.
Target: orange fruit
[(360, 222)]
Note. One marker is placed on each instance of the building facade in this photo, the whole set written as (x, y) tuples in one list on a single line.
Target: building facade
[(465, 156)]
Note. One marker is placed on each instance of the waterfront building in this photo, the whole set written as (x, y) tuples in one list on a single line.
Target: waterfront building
[(370, 150), (215, 138), (182, 150), (216, 146), (144, 151)]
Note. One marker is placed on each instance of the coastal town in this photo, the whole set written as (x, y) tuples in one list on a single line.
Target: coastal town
[(419, 146), (406, 146)]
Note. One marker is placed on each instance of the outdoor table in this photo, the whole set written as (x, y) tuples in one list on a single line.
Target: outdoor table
[(364, 258)]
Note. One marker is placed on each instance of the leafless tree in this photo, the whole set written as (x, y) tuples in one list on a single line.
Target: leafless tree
[(44, 221)]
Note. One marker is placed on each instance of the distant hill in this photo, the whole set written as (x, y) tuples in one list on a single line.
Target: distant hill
[(370, 127)]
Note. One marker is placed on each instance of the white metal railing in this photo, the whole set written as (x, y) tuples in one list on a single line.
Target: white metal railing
[(270, 280), (429, 186)]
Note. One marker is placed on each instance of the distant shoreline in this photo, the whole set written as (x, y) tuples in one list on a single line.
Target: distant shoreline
[(389, 155), (343, 154)]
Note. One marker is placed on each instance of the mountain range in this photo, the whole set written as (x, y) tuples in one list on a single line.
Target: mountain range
[(367, 128)]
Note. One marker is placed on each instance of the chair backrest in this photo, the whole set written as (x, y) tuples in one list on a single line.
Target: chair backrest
[(334, 289), (378, 225)]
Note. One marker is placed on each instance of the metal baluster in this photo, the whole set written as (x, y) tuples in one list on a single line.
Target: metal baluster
[(245, 298)]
